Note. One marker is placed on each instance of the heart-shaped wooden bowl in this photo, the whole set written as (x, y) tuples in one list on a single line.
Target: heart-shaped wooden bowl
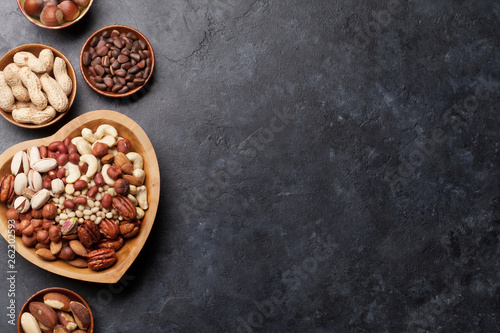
[(141, 144), (38, 297)]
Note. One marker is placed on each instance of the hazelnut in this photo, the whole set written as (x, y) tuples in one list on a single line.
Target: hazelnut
[(66, 253), (55, 233), (12, 214), (23, 225), (33, 7), (124, 146), (49, 211), (29, 241), (82, 3), (121, 186), (114, 172), (70, 10), (37, 224), (51, 16), (37, 213), (42, 236), (100, 149)]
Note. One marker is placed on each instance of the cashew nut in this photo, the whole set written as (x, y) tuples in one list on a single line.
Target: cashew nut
[(91, 160), (88, 135), (109, 140), (73, 173), (107, 179), (104, 130), (76, 139), (140, 213), (84, 177), (84, 147), (132, 189), (132, 199), (113, 151), (136, 160), (142, 197), (139, 173)]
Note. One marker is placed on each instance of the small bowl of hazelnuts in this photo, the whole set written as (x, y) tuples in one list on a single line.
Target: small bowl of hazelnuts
[(54, 14)]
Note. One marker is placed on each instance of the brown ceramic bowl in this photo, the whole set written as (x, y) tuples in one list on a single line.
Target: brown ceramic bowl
[(86, 48), (36, 20), (35, 49), (141, 144), (38, 297)]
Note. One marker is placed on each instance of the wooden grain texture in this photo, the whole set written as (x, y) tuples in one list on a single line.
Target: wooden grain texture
[(141, 144), (36, 48), (38, 297)]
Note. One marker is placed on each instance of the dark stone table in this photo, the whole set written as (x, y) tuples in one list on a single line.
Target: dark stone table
[(326, 166)]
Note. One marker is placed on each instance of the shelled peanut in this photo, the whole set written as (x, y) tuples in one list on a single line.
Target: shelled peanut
[(57, 313), (77, 199), (34, 89)]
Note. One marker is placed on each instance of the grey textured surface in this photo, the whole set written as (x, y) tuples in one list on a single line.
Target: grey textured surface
[(327, 166)]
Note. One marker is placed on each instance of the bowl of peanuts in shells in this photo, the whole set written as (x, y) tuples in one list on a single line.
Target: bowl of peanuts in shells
[(37, 85)]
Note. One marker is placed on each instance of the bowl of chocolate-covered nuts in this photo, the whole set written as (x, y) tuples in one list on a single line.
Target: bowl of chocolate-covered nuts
[(117, 61)]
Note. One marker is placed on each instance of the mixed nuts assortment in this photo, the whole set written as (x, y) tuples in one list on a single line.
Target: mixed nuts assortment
[(118, 62), (34, 89), (77, 200), (57, 313)]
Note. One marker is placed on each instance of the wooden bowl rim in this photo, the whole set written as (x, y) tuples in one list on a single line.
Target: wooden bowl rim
[(38, 23), (7, 58), (84, 69), (132, 246), (39, 294)]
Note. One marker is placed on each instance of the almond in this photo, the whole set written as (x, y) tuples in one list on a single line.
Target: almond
[(78, 263), (45, 254), (132, 180), (78, 248), (122, 161)]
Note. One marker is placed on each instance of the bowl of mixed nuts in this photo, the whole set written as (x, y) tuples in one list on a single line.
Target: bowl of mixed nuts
[(37, 85), (81, 203), (117, 61), (54, 14), (56, 310)]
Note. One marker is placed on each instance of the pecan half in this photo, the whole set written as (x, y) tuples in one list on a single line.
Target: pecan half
[(129, 229), (124, 207), (109, 229), (101, 259), (88, 233), (7, 189), (114, 244)]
